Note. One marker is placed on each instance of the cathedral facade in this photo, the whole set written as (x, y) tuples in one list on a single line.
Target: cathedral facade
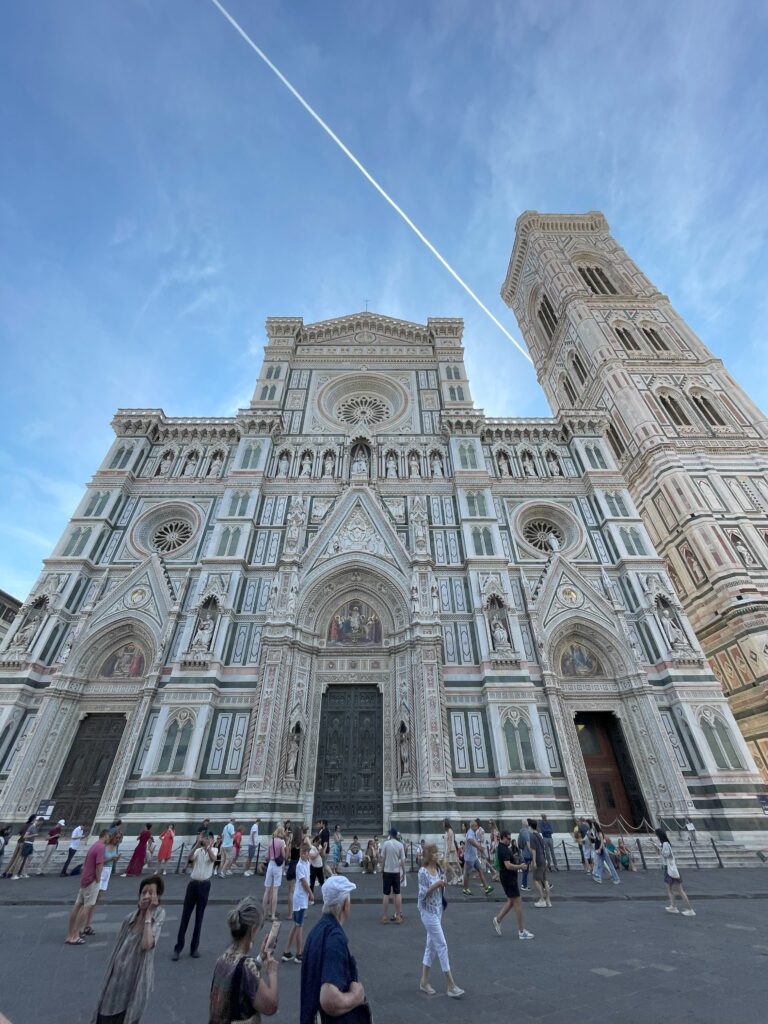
[(363, 599)]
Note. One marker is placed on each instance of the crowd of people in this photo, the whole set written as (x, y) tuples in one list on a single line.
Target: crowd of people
[(309, 862)]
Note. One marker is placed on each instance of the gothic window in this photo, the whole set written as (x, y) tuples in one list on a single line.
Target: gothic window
[(460, 393), (482, 541), (615, 441), (616, 504), (238, 504), (596, 280), (456, 374), (627, 339), (519, 746), (674, 410), (547, 317), (251, 456), (611, 505), (272, 392), (69, 547), (633, 541), (102, 503), (269, 373), (570, 391), (276, 374), (264, 393), (96, 503), (467, 456), (452, 394), (228, 541), (175, 747), (655, 339), (452, 373), (116, 457), (121, 457), (708, 410), (578, 366), (476, 504), (720, 743), (595, 457)]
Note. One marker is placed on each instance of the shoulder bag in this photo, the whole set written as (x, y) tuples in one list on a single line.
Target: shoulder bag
[(278, 860)]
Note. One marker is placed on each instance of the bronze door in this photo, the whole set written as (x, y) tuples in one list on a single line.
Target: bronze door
[(596, 732), (84, 776), (348, 790)]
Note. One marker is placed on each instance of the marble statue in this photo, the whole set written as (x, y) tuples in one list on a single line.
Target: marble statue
[(413, 466), (435, 594), (201, 641), (282, 464), (165, 464), (328, 464), (500, 635), (503, 462), (529, 466), (391, 472), (742, 550), (360, 462), (554, 464), (306, 465), (437, 465), (554, 543), (415, 603), (405, 754), (216, 464), (190, 466), (294, 750), (672, 628)]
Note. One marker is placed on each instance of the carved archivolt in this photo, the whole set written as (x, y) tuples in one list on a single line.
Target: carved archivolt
[(95, 651)]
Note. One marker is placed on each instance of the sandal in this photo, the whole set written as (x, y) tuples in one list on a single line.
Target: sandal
[(74, 942), (88, 931)]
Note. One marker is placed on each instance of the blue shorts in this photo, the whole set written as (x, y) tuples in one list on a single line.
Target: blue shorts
[(298, 916)]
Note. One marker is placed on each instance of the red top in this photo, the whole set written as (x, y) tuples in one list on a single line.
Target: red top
[(53, 835), (93, 859)]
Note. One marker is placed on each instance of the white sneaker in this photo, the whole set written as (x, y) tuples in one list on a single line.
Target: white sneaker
[(525, 934), (617, 881), (672, 910), (540, 903), (496, 926), (247, 874), (688, 913), (454, 993)]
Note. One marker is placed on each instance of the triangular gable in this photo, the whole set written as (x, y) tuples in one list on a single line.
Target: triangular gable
[(145, 592), (565, 591), (357, 524), (365, 329)]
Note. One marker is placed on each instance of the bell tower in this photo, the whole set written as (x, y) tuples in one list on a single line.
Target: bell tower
[(691, 443)]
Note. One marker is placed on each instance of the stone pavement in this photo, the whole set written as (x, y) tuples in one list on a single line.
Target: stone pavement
[(603, 953)]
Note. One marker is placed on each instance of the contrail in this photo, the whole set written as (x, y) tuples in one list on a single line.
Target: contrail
[(351, 156)]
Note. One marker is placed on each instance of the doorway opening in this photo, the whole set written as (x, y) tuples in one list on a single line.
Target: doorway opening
[(612, 778), (86, 770), (349, 786)]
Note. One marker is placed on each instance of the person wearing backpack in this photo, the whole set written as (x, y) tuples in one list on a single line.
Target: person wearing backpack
[(244, 988), (274, 875), (523, 843)]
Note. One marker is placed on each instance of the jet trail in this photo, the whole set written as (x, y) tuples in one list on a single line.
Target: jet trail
[(351, 156)]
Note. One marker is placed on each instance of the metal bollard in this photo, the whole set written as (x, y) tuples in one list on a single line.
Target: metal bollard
[(565, 854), (258, 851), (717, 852), (411, 848), (178, 862), (642, 855)]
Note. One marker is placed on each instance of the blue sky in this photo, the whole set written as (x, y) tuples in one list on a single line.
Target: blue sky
[(161, 194)]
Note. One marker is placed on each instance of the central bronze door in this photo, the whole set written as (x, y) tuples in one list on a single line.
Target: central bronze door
[(86, 770), (611, 774), (348, 790)]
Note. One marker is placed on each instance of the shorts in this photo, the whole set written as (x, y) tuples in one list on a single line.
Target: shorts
[(298, 916), (87, 895), (391, 881), (251, 851), (510, 887), (315, 875), (274, 874), (291, 873), (669, 880), (471, 863), (27, 850), (540, 873)]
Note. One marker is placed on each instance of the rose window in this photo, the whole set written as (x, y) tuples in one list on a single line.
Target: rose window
[(538, 532), (363, 410), (171, 535)]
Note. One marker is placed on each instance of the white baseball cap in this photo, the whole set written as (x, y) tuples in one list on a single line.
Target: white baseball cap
[(62, 822), (336, 890)]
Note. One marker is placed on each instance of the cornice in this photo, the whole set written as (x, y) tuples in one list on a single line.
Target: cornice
[(156, 426), (294, 330)]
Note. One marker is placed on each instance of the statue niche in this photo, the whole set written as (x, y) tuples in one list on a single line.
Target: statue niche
[(294, 752), (202, 636)]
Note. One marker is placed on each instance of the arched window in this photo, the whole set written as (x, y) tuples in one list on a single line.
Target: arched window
[(476, 504), (615, 441), (102, 503), (570, 391), (460, 393), (93, 501), (269, 373), (276, 374), (467, 456), (251, 456), (633, 541), (264, 393), (175, 746), (595, 457), (456, 373), (547, 317), (656, 340), (721, 744), (449, 373), (77, 541), (616, 504), (578, 366), (627, 339), (477, 541), (117, 457), (452, 393), (596, 280), (708, 410), (272, 392), (238, 504), (519, 746), (223, 541), (488, 541), (674, 410)]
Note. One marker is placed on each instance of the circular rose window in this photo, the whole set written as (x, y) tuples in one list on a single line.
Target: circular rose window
[(544, 528), (171, 536), (539, 533), (363, 409)]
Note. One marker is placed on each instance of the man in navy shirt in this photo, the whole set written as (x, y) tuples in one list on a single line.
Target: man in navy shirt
[(328, 971), (549, 844)]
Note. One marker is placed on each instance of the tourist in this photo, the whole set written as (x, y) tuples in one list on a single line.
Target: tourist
[(87, 893), (354, 853), (315, 867), (510, 865), (336, 849), (274, 876), (243, 988), (431, 902), (691, 830), (302, 897), (472, 862), (323, 844), (11, 870), (672, 877), (27, 848), (392, 859), (601, 857), (202, 859), (370, 858), (613, 852), (589, 844), (74, 845), (52, 845), (136, 863), (539, 865), (111, 854), (5, 835), (253, 848), (626, 857), (130, 972), (450, 855), (328, 973), (166, 848), (116, 826), (228, 848), (293, 841), (523, 841), (546, 833), (237, 843)]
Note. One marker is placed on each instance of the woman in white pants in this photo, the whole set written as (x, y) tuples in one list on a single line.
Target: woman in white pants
[(430, 904), (274, 875)]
